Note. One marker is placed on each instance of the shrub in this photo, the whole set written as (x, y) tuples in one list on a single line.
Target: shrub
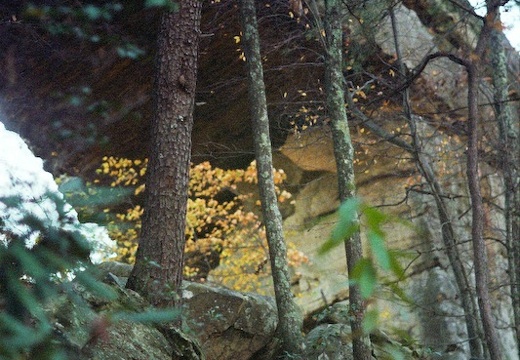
[(223, 226)]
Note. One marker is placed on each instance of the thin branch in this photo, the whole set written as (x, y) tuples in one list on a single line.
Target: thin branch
[(420, 68)]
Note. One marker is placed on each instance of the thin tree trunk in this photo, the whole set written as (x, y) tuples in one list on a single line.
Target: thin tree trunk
[(509, 151), (477, 215), (289, 317), (477, 209), (344, 155), (468, 303), (158, 270)]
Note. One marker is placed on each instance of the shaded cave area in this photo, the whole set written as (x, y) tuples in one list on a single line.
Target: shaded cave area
[(85, 91)]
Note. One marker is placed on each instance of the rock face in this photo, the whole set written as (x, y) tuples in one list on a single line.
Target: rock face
[(329, 341), (85, 328), (227, 324), (435, 314)]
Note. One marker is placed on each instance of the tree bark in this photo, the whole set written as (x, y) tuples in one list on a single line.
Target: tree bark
[(158, 270), (477, 209), (469, 306), (344, 155), (509, 150), (289, 318)]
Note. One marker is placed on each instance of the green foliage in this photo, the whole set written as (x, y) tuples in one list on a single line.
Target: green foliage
[(365, 276), (365, 273), (31, 278), (346, 227), (370, 321), (90, 23), (168, 4), (89, 200), (77, 20), (148, 317)]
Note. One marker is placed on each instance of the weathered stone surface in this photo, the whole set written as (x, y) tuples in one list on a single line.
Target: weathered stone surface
[(436, 295), (131, 341), (435, 316), (89, 332), (228, 324), (329, 341)]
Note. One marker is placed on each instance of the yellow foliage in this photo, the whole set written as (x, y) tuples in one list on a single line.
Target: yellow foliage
[(218, 232)]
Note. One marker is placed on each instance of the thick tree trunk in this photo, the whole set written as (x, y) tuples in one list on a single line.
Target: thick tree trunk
[(289, 318), (344, 154), (158, 270)]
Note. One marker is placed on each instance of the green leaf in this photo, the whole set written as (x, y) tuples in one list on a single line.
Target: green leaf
[(169, 4), (29, 263), (79, 195), (24, 297), (374, 219), (395, 352), (347, 225), (395, 265), (365, 276), (149, 317), (377, 245), (399, 292), (94, 285), (370, 321)]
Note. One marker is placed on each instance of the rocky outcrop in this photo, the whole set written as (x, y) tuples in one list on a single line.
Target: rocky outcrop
[(228, 324), (434, 315), (88, 330), (225, 324), (88, 99)]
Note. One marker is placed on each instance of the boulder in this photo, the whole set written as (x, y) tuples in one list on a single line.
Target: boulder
[(227, 324), (329, 341), (87, 328)]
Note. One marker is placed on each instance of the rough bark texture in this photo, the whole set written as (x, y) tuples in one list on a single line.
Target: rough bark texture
[(344, 155), (289, 319), (509, 149), (477, 208), (159, 261)]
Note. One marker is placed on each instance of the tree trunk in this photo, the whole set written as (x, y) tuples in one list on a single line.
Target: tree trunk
[(158, 270), (469, 306), (344, 155), (477, 215), (477, 209), (289, 318), (508, 150)]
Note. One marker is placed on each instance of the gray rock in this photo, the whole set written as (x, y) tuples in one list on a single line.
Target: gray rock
[(329, 342), (228, 324), (88, 329)]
